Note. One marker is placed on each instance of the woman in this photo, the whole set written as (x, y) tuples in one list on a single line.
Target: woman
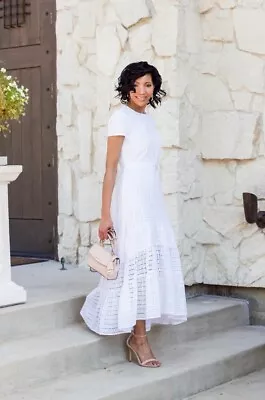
[(149, 288)]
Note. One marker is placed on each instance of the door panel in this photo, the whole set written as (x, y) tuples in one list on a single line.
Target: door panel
[(29, 53)]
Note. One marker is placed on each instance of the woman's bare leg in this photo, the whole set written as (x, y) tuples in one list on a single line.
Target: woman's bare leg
[(139, 343)]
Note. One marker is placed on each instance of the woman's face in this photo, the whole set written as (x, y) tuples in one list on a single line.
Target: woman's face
[(144, 89)]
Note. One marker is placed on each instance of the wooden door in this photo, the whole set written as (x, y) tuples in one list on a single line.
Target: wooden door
[(28, 51)]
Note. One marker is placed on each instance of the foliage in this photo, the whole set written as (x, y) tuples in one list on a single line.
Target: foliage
[(13, 100)]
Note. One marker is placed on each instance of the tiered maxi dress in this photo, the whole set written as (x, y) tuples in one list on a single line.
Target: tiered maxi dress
[(150, 282)]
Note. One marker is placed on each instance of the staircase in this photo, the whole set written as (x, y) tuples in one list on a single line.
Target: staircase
[(46, 353)]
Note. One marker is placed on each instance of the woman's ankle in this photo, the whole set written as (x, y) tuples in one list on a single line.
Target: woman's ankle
[(139, 339), (140, 334), (139, 329)]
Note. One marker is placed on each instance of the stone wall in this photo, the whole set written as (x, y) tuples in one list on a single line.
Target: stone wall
[(221, 60), (211, 54), (96, 39)]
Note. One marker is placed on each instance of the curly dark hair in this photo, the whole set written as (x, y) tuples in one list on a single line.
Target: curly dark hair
[(134, 71)]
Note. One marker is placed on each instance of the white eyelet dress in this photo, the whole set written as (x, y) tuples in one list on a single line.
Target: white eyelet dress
[(150, 282)]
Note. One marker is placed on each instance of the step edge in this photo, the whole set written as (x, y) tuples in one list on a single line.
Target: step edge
[(93, 338), (149, 379)]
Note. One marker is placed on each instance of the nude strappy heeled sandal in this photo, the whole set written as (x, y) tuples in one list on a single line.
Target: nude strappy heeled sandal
[(131, 351)]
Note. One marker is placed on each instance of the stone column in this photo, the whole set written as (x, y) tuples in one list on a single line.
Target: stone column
[(10, 292)]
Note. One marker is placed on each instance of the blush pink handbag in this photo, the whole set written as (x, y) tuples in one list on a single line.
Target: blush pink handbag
[(105, 262)]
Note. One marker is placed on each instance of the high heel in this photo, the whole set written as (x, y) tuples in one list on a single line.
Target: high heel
[(129, 355), (131, 352)]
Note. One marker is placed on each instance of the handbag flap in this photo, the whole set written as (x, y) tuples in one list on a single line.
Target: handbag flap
[(100, 254)]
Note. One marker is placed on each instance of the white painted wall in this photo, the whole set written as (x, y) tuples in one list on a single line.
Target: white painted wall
[(211, 54)]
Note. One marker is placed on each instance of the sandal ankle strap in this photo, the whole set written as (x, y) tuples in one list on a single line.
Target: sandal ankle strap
[(140, 336)]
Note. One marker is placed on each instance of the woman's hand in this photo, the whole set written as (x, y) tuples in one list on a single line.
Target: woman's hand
[(105, 225)]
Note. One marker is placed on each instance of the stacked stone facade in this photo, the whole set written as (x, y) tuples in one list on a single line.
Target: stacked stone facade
[(211, 54)]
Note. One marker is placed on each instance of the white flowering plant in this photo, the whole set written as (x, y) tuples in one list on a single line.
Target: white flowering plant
[(13, 100)]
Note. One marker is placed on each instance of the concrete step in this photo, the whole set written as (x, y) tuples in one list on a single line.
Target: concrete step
[(54, 299), (249, 387), (54, 313), (188, 368), (31, 319), (74, 349), (206, 315)]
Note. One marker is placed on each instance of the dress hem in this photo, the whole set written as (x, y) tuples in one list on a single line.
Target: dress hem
[(149, 324)]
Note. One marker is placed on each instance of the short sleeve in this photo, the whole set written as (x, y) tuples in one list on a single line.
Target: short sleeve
[(117, 125)]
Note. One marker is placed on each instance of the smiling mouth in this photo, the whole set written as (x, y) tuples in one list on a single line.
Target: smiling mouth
[(141, 98)]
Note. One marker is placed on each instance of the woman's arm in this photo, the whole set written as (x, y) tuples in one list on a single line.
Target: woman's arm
[(113, 154)]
